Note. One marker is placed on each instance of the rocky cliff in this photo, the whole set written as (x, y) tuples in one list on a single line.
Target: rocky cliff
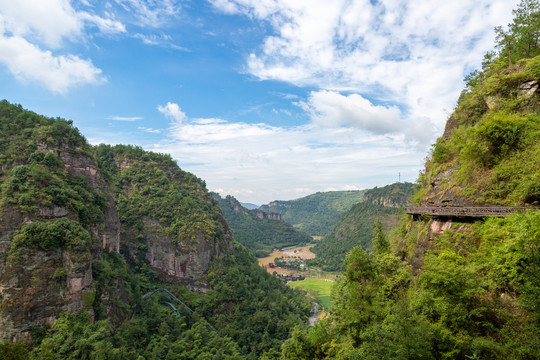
[(486, 154), (64, 203), (393, 195), (258, 230), (261, 214)]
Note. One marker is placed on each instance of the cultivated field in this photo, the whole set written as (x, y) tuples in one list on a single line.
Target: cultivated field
[(319, 288)]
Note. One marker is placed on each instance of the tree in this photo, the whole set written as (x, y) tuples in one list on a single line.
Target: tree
[(526, 26), (380, 242), (521, 38), (505, 41)]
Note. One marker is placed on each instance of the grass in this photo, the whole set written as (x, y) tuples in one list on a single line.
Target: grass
[(327, 301), (319, 288)]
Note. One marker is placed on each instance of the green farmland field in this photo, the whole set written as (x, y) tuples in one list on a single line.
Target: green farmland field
[(319, 288)]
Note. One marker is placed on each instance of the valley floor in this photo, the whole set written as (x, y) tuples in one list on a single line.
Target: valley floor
[(317, 283)]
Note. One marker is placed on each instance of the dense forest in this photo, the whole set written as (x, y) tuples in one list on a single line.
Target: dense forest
[(87, 231), (88, 234), (356, 226), (257, 230), (316, 214), (471, 291), (354, 229)]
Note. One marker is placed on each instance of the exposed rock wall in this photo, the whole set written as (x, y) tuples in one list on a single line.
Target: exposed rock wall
[(109, 234), (37, 285), (261, 214)]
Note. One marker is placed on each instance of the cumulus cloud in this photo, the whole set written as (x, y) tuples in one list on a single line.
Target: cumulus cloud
[(253, 161), (31, 30), (57, 73), (48, 21), (332, 108), (172, 112), (411, 53)]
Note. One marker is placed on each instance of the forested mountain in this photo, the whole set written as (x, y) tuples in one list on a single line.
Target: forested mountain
[(354, 229), (394, 195), (86, 232), (452, 288), (259, 230), (249, 206), (318, 213)]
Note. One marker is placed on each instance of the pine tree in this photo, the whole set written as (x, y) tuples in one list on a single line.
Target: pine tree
[(380, 242)]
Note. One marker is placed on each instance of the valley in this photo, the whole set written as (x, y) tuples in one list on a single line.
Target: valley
[(315, 282), (116, 252)]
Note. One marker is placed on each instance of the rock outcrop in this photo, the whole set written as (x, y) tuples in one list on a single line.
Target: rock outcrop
[(60, 212), (261, 214), (187, 263), (393, 195), (38, 284)]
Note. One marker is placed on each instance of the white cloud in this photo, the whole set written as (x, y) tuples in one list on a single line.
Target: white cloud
[(57, 73), (410, 53), (30, 30), (125, 118), (49, 21), (150, 12), (331, 108), (254, 161), (107, 26), (172, 112), (149, 130)]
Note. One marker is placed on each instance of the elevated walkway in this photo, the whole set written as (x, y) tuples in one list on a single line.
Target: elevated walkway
[(466, 211)]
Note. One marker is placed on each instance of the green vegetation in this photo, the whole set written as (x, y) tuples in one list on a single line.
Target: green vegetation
[(354, 229), (319, 289), (396, 195), (494, 143), (476, 297), (259, 235), (53, 210), (153, 186), (61, 233), (471, 291), (521, 39), (493, 152), (318, 213)]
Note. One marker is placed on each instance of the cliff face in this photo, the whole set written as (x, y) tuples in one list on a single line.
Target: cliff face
[(261, 231), (63, 204), (167, 216), (261, 214), (487, 154), (38, 282), (394, 195)]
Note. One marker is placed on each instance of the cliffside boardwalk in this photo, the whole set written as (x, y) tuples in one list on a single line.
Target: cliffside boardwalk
[(466, 211)]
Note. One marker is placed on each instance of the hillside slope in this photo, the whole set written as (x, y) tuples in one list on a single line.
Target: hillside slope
[(318, 213), (355, 228), (258, 230), (453, 288), (87, 233)]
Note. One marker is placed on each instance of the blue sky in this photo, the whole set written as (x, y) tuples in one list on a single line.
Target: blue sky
[(263, 99)]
